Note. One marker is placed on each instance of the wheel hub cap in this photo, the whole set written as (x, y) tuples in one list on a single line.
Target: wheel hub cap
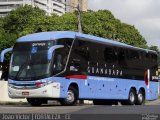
[(140, 97), (70, 96), (132, 97)]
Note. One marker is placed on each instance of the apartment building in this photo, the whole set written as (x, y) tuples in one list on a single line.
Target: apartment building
[(7, 5), (51, 6), (58, 7)]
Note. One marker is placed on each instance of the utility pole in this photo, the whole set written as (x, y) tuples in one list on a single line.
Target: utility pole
[(79, 30), (78, 14), (79, 18)]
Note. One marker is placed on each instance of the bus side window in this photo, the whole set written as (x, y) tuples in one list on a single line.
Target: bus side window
[(148, 60), (122, 58), (134, 59), (141, 60), (154, 61), (108, 54), (79, 56)]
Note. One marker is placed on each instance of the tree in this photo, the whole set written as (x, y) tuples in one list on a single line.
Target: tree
[(6, 41), (23, 20), (103, 24), (100, 23), (27, 19)]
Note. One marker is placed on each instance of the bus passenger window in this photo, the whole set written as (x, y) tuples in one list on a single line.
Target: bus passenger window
[(122, 58), (108, 54)]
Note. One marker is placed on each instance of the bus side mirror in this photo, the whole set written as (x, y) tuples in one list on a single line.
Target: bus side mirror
[(4, 52), (50, 51), (0, 70), (2, 59)]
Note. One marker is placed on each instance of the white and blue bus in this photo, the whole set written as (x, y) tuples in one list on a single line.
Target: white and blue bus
[(70, 66)]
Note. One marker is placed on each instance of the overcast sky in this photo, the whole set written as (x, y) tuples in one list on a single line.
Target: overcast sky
[(143, 14)]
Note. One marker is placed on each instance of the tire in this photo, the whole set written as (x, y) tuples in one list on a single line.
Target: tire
[(71, 99), (140, 98), (131, 98), (34, 101)]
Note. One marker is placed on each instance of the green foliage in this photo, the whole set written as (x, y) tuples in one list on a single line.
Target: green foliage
[(7, 41), (103, 24), (99, 23), (27, 19)]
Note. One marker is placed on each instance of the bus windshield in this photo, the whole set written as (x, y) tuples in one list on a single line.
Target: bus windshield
[(30, 61)]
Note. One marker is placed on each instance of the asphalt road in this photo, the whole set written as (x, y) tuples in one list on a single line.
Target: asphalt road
[(150, 111), (84, 112), (82, 109)]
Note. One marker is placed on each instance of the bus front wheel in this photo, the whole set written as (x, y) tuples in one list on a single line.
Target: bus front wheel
[(34, 101), (71, 99)]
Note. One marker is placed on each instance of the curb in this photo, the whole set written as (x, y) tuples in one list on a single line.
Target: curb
[(13, 103), (155, 102)]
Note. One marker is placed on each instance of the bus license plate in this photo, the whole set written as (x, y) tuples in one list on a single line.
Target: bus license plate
[(25, 93)]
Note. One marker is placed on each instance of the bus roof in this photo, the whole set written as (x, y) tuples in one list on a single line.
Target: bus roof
[(53, 35)]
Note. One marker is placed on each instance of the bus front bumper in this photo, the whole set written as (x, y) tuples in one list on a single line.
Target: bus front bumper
[(49, 91)]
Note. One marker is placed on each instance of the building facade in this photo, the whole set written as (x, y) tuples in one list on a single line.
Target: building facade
[(58, 7), (7, 5), (51, 6)]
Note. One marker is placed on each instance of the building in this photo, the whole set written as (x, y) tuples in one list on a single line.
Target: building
[(58, 7), (50, 6), (72, 4), (7, 5)]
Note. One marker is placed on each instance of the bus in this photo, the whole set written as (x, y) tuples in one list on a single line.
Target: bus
[(69, 66)]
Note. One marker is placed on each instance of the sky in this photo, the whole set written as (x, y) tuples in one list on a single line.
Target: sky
[(143, 14)]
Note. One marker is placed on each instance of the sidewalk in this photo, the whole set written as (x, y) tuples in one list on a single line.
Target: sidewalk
[(4, 98), (154, 102)]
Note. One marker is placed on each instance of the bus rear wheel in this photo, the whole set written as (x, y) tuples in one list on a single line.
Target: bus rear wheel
[(140, 98), (131, 98), (34, 101), (71, 99)]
